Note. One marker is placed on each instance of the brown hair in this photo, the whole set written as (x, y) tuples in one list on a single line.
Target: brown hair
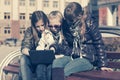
[(36, 16), (73, 12)]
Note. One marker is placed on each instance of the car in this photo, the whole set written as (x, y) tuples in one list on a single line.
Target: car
[(1, 42), (10, 41), (18, 43)]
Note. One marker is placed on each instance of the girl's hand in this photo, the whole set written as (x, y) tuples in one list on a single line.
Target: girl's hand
[(106, 69), (59, 56), (52, 48)]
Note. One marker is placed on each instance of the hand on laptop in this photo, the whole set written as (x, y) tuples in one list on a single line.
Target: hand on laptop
[(52, 48), (25, 51), (59, 56)]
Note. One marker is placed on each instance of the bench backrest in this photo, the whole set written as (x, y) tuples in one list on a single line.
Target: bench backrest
[(113, 59), (112, 45)]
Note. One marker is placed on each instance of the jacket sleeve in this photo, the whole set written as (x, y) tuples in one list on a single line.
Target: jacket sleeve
[(45, 41), (99, 44), (41, 43), (26, 42), (62, 48)]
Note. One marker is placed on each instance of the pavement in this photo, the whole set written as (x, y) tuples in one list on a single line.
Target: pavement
[(5, 50)]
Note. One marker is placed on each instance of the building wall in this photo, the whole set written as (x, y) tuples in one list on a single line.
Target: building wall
[(103, 16), (119, 15), (109, 16), (8, 26), (14, 26), (109, 12), (15, 29)]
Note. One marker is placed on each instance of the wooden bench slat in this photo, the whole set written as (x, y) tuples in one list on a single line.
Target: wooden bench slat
[(113, 55), (14, 64), (11, 69), (97, 75), (76, 78), (114, 64)]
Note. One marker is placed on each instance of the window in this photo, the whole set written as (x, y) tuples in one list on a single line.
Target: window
[(32, 2), (7, 30), (22, 16), (22, 2), (22, 30), (7, 15), (46, 3), (55, 4), (30, 15), (7, 2)]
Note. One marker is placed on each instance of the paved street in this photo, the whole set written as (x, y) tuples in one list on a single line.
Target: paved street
[(5, 50)]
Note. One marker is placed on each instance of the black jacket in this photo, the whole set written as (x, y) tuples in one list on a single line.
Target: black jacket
[(93, 46)]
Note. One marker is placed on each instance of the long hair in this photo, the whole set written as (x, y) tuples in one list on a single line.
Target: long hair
[(74, 12), (36, 16)]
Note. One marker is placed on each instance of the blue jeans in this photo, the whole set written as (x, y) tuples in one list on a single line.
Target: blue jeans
[(71, 66), (27, 69)]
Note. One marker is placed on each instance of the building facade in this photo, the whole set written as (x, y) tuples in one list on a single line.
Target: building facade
[(109, 12), (15, 14)]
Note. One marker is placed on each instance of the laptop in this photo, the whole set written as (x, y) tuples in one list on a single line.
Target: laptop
[(41, 56)]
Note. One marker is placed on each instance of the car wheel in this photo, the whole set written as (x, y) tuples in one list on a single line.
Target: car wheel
[(8, 44)]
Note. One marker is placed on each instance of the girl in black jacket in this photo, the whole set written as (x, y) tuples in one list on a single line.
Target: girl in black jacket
[(83, 47)]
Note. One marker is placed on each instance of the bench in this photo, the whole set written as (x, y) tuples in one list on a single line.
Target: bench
[(87, 75), (113, 54), (101, 75), (12, 68)]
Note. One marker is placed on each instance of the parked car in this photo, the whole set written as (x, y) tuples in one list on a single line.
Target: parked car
[(1, 42), (11, 41)]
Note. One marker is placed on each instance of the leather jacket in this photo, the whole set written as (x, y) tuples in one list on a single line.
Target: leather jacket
[(29, 40), (93, 46)]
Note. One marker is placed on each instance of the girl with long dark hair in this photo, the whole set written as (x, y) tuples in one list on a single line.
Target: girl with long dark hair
[(39, 22)]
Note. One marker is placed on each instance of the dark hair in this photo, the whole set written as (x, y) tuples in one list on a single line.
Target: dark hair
[(72, 11), (36, 16), (73, 14)]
